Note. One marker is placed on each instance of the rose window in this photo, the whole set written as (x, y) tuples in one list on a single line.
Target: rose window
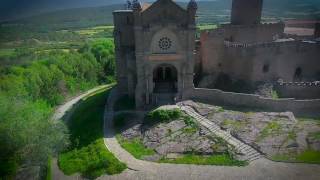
[(165, 43)]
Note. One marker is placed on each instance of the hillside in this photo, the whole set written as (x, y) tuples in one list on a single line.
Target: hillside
[(208, 12)]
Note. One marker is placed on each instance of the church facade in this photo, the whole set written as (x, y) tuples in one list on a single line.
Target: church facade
[(157, 57), (155, 51)]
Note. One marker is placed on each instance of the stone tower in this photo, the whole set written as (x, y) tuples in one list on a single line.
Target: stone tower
[(246, 12)]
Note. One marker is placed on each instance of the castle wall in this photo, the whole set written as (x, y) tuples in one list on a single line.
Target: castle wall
[(305, 108), (299, 90), (259, 62), (253, 33)]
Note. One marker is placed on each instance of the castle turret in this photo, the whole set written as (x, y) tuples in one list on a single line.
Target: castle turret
[(246, 12), (192, 10)]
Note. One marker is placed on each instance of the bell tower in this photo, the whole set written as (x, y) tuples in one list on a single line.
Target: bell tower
[(246, 12)]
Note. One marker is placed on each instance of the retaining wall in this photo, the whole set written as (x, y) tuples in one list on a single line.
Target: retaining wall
[(303, 108)]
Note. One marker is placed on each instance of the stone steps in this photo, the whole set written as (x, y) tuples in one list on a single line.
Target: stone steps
[(250, 154)]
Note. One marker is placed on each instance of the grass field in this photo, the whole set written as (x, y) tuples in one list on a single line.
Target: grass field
[(203, 27), (95, 30), (87, 153)]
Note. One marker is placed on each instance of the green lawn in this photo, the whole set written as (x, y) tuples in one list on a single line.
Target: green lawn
[(87, 153), (221, 160), (163, 116), (135, 147)]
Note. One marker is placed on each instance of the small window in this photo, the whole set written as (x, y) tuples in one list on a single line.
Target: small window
[(128, 20), (265, 68), (298, 73)]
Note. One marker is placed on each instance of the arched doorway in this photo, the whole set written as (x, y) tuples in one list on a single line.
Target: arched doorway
[(165, 79)]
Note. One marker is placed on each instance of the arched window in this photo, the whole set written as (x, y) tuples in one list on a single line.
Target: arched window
[(265, 68), (298, 73)]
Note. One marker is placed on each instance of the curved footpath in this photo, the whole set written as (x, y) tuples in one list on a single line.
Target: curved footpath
[(258, 169), (60, 112)]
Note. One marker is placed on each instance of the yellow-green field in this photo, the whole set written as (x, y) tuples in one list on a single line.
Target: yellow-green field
[(94, 30), (207, 27)]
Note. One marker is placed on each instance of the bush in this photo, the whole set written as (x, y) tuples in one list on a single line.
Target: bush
[(91, 161), (162, 115)]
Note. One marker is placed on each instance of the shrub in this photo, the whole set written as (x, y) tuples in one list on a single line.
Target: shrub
[(91, 161), (162, 115)]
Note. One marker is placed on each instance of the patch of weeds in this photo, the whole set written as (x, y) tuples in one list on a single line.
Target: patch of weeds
[(124, 103), (190, 121), (219, 109), (315, 135), (272, 128), (189, 130), (169, 132), (221, 160), (308, 156), (292, 135), (237, 125), (163, 116), (135, 147), (274, 94)]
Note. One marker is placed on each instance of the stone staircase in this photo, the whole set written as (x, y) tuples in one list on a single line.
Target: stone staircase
[(249, 153)]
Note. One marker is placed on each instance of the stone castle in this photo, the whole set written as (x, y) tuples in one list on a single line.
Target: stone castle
[(159, 59)]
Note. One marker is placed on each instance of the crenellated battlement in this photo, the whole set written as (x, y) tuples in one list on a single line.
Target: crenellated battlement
[(254, 26), (299, 84), (283, 43)]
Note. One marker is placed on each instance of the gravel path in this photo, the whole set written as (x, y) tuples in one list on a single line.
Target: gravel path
[(259, 169)]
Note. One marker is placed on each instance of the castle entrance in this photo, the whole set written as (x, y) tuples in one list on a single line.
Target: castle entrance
[(165, 79)]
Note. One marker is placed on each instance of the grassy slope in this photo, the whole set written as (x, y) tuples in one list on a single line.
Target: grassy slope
[(135, 147), (87, 153)]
